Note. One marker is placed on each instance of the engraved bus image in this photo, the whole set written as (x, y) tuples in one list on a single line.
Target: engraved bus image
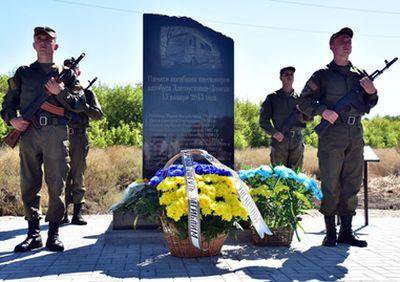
[(189, 49)]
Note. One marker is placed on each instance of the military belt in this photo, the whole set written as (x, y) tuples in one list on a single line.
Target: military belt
[(349, 120), (76, 131), (45, 120), (292, 133)]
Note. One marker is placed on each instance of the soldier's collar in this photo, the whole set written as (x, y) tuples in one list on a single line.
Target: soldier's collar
[(36, 65), (334, 66), (283, 93)]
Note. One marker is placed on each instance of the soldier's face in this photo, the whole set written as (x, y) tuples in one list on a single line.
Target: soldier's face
[(44, 44), (341, 46), (287, 77)]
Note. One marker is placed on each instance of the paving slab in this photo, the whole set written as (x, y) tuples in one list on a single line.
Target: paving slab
[(97, 253)]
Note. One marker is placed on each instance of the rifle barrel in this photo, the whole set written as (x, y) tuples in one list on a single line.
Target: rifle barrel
[(379, 72), (79, 59)]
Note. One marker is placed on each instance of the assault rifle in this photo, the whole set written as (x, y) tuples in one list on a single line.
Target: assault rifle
[(292, 120), (65, 76), (352, 99)]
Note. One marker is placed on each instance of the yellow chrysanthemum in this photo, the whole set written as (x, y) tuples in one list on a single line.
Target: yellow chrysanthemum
[(210, 186), (223, 210)]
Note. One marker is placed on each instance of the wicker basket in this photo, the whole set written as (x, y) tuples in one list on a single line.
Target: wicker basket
[(281, 236), (184, 248)]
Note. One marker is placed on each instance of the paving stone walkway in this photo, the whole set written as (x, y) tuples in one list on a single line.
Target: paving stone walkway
[(89, 258)]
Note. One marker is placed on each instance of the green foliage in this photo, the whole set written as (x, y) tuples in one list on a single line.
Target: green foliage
[(248, 133), (121, 105), (211, 227), (382, 132), (310, 137), (3, 84)]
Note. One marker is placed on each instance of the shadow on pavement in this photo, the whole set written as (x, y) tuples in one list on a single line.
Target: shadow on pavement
[(154, 261)]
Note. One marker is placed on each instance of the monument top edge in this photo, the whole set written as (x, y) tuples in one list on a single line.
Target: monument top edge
[(184, 19)]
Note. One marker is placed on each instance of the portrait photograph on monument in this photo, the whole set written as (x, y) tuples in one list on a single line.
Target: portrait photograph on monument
[(211, 140)]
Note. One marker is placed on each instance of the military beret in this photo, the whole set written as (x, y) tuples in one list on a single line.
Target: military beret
[(345, 30), (293, 69), (46, 30)]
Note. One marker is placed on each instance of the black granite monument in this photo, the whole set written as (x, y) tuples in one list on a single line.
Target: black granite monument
[(188, 97)]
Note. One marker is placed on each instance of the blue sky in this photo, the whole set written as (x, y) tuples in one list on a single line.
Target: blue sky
[(268, 34)]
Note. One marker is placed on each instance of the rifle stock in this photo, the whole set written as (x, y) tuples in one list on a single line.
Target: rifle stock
[(12, 138)]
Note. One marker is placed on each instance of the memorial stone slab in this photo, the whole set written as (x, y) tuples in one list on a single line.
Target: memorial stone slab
[(188, 99)]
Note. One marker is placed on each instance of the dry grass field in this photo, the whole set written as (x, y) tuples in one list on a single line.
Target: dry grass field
[(111, 170)]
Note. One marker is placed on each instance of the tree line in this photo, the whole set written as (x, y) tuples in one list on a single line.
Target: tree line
[(122, 122)]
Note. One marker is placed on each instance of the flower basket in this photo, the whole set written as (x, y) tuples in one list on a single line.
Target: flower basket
[(183, 248), (201, 204), (282, 196), (281, 237)]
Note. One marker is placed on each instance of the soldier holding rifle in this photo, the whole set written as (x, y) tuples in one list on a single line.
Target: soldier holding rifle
[(78, 151), (287, 146), (44, 138), (340, 148)]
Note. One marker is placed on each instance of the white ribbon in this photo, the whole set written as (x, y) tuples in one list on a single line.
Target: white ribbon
[(243, 191), (193, 200)]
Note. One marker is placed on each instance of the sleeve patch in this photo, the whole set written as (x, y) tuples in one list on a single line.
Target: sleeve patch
[(312, 85), (11, 84)]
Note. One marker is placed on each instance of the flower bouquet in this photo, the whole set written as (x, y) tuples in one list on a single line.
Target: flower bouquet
[(201, 204), (281, 196), (220, 208)]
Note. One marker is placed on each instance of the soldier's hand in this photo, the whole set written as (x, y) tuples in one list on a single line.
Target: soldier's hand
[(54, 87), (278, 136), (368, 85), (19, 123), (330, 116)]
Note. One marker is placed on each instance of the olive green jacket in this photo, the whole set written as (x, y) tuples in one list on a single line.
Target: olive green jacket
[(275, 109), (92, 110), (327, 85), (28, 84)]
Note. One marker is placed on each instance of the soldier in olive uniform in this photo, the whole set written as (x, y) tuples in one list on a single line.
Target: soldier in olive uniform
[(340, 149), (78, 151), (44, 142), (287, 148)]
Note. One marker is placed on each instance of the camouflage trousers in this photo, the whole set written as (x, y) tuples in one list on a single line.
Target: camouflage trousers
[(47, 146), (340, 155), (289, 152), (78, 150)]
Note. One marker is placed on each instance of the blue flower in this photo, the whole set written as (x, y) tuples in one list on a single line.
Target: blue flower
[(178, 170), (281, 171), (312, 185), (155, 180), (175, 172), (264, 171), (246, 174), (301, 177)]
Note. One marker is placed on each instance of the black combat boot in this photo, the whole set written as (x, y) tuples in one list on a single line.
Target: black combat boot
[(65, 219), (346, 235), (53, 241), (33, 241), (330, 237), (77, 217)]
